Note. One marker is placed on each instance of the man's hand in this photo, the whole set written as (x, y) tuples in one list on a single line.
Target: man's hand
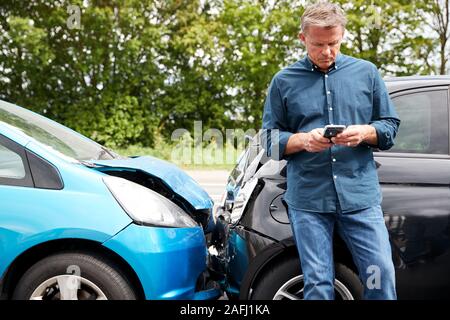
[(354, 135), (314, 141)]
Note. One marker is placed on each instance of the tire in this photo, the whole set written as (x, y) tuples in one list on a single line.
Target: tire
[(99, 279), (286, 277)]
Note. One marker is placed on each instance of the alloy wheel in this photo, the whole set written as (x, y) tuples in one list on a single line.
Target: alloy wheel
[(68, 287), (293, 290)]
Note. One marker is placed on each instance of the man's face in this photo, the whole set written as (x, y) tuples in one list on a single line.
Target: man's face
[(322, 44)]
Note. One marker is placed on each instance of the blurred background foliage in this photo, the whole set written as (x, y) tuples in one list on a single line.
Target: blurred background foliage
[(133, 71)]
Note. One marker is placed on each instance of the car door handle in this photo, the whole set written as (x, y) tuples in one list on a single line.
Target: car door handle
[(273, 207)]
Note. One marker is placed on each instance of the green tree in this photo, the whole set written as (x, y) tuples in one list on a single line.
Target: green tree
[(388, 34), (435, 14), (133, 71), (107, 68)]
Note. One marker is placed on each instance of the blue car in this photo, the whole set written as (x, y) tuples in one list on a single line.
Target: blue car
[(78, 221)]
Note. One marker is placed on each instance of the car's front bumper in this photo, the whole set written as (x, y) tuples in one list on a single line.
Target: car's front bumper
[(167, 261)]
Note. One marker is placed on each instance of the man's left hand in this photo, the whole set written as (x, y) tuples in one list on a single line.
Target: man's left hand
[(354, 135)]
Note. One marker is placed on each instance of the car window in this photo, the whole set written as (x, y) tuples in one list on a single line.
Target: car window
[(14, 169), (52, 135), (246, 158), (424, 122), (11, 165), (238, 170)]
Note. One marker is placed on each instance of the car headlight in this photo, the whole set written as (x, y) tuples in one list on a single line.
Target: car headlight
[(147, 207)]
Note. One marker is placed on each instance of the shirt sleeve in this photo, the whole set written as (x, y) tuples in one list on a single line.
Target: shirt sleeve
[(275, 132), (384, 117)]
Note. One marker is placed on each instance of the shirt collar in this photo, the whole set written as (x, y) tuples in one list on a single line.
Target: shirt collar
[(312, 66)]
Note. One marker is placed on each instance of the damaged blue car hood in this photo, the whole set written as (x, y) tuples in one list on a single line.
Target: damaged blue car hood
[(180, 182)]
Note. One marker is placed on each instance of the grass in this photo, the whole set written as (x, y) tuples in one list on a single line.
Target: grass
[(168, 152)]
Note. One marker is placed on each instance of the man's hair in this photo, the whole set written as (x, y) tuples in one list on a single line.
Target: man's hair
[(323, 14)]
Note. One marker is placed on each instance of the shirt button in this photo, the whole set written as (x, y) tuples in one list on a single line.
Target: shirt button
[(331, 109), (335, 177), (312, 69), (334, 160), (328, 92), (326, 76)]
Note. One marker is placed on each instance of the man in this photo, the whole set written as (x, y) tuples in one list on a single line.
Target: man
[(333, 184)]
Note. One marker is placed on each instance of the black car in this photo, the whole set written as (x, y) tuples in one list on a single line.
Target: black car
[(253, 241)]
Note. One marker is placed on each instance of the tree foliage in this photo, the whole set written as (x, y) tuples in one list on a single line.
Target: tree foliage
[(134, 70)]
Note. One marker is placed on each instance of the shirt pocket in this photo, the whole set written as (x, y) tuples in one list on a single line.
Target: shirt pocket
[(355, 108), (305, 113)]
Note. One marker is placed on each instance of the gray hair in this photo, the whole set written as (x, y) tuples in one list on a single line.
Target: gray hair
[(323, 14)]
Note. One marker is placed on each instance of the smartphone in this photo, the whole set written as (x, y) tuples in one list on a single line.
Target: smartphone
[(332, 130)]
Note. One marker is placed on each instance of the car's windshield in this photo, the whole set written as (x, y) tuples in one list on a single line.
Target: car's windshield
[(246, 158), (52, 134)]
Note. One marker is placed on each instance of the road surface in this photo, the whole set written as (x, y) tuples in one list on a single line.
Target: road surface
[(213, 181)]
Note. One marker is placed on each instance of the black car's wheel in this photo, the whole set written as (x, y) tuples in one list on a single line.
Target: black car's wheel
[(285, 281), (74, 276)]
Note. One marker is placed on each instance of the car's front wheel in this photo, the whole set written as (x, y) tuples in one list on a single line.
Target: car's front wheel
[(74, 276), (284, 281)]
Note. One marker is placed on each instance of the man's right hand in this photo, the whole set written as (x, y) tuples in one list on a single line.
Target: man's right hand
[(312, 141)]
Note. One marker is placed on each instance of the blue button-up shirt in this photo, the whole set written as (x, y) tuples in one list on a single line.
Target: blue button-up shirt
[(302, 98)]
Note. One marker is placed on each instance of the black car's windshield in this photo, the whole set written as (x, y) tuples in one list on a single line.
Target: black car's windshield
[(246, 158), (52, 134)]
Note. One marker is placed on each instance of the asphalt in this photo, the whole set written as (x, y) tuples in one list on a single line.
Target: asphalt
[(213, 181)]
